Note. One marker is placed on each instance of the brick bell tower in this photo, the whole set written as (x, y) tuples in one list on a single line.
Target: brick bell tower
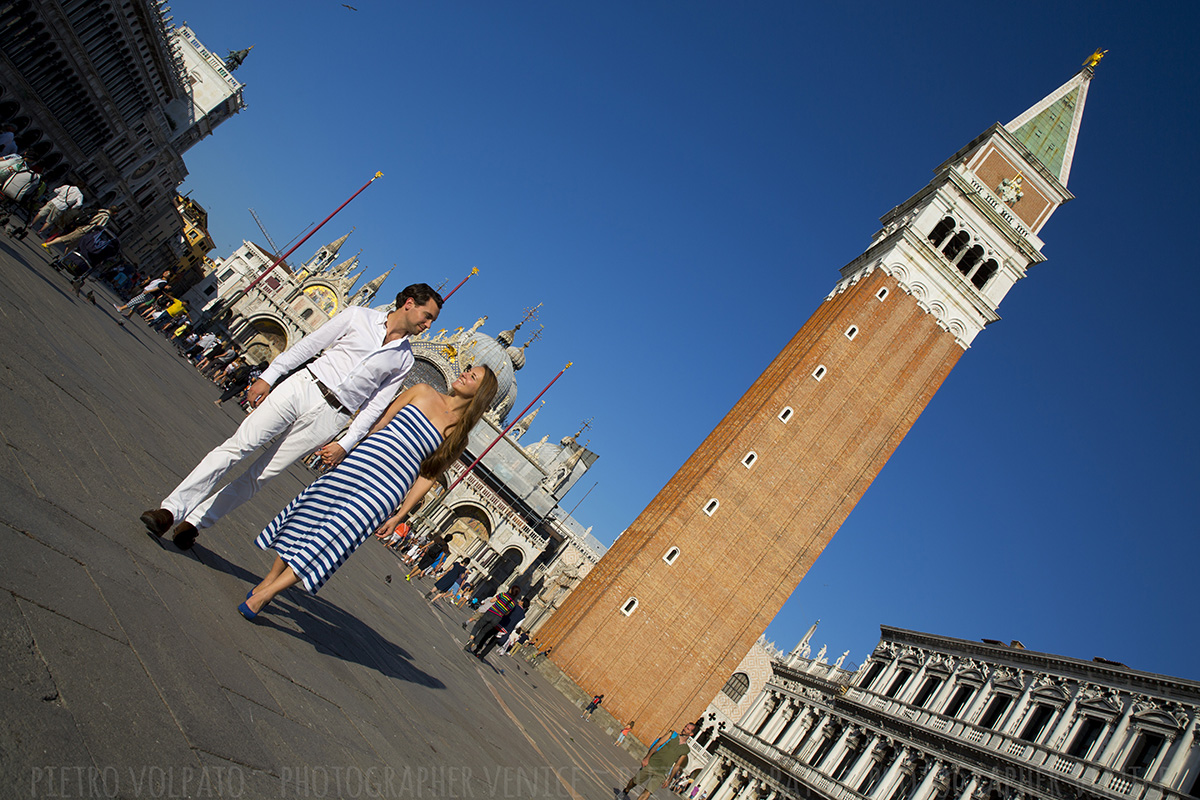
[(665, 617)]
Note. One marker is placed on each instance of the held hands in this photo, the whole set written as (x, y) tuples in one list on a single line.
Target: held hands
[(332, 454), (388, 526), (257, 392)]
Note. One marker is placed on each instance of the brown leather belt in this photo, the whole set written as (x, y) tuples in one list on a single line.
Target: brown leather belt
[(329, 396)]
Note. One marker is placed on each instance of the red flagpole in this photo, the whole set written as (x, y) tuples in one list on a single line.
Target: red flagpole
[(281, 258), (474, 271), (516, 419)]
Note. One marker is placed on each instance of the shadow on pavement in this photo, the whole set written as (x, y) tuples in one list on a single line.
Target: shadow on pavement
[(20, 259)]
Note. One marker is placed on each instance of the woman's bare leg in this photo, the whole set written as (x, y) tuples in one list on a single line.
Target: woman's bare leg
[(276, 570), (266, 593)]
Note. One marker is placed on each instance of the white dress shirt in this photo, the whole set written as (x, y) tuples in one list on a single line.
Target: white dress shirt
[(67, 197), (356, 366)]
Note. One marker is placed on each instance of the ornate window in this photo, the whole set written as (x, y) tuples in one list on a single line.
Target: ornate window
[(1145, 751), (1086, 736), (995, 709), (736, 686), (873, 672)]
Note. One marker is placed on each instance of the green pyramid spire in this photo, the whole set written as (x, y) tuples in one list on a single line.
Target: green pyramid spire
[(1050, 128)]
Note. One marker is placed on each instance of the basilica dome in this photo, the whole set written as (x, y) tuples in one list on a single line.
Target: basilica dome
[(440, 359)]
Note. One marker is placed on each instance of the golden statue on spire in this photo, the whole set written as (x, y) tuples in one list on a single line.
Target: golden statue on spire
[(1094, 58)]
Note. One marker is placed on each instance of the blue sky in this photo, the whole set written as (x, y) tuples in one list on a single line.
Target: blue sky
[(679, 183)]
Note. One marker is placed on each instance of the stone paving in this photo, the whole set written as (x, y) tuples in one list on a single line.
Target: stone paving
[(125, 669)]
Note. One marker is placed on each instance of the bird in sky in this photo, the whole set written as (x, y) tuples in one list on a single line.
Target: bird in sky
[(352, 8)]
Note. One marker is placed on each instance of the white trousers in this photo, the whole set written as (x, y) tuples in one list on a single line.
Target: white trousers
[(296, 412)]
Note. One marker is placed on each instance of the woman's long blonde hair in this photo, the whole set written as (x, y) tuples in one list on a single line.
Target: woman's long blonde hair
[(455, 441)]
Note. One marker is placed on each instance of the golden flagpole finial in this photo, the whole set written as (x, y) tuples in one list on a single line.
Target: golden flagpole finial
[(1094, 58), (377, 175), (474, 270), (568, 366)]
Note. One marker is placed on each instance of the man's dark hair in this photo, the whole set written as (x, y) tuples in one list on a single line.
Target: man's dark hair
[(421, 293)]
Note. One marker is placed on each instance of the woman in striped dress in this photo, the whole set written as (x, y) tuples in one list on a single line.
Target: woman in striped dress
[(418, 437)]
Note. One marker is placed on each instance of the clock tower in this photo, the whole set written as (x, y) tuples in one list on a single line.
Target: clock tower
[(659, 625)]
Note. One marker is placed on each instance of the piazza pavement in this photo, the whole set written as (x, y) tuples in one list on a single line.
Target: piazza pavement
[(126, 670)]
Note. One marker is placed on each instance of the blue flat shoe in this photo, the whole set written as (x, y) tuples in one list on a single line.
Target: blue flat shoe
[(245, 611)]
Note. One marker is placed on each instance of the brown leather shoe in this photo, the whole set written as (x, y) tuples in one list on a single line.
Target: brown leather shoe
[(158, 520), (185, 535)]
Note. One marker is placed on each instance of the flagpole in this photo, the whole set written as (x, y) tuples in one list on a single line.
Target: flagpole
[(516, 419), (474, 271), (295, 247)]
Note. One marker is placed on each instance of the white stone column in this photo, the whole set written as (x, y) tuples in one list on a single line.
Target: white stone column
[(830, 762), (914, 683), (750, 789), (883, 789), (977, 702), (1182, 748), (865, 762), (797, 710), (1063, 724), (711, 778), (969, 789), (764, 712), (754, 714), (729, 786), (881, 684), (1017, 712), (926, 789), (942, 695), (815, 740), (779, 717), (1117, 738), (804, 720)]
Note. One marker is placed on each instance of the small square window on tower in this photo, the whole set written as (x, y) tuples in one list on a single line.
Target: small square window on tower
[(882, 293), (786, 414), (711, 507), (629, 606), (851, 332), (819, 372), (749, 459), (671, 555)]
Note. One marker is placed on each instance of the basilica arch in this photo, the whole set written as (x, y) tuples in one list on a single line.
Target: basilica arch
[(507, 565), (467, 525), (263, 338)]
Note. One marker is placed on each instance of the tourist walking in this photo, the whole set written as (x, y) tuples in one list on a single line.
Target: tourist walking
[(592, 706), (361, 357), (418, 437), (148, 295), (65, 199), (449, 581), (664, 760), (508, 623), (490, 620)]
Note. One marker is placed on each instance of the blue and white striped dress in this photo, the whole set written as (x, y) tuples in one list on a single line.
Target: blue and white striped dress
[(319, 530)]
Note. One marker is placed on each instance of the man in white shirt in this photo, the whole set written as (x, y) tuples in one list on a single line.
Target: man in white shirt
[(364, 355), (65, 198)]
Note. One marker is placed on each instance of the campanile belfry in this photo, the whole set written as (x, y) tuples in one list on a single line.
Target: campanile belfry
[(665, 617)]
